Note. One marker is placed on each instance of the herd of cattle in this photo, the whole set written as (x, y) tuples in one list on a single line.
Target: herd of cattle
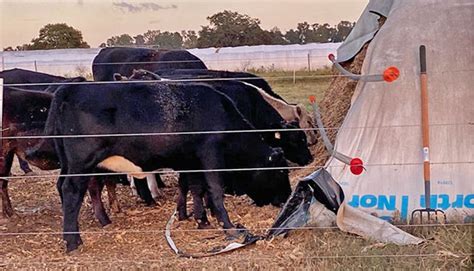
[(145, 120)]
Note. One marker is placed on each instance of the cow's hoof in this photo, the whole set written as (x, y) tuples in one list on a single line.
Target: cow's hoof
[(72, 246), (74, 252), (233, 234), (30, 173), (204, 224), (182, 217), (105, 221)]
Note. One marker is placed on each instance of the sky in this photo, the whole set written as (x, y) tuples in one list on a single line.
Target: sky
[(98, 20)]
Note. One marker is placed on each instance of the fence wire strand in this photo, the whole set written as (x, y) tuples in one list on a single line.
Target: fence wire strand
[(211, 132), (166, 80), (172, 172)]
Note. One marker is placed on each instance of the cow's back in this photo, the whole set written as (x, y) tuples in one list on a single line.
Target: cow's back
[(21, 76), (124, 60), (180, 59)]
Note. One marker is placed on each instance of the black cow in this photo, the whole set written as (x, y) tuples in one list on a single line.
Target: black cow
[(140, 108), (123, 60)]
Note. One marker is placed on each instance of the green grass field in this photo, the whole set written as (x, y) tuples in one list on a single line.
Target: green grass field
[(297, 87)]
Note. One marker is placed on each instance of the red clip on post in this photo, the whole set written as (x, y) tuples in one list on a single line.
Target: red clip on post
[(391, 74), (356, 166)]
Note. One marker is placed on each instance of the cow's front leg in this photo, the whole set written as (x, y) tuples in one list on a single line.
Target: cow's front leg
[(197, 185), (211, 158), (73, 191), (183, 188)]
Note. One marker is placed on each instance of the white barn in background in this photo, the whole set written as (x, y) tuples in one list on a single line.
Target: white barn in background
[(269, 57)]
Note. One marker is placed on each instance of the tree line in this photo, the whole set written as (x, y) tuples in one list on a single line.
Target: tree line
[(225, 29)]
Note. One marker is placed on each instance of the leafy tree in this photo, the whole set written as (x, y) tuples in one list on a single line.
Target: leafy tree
[(168, 40), (124, 40), (139, 40), (343, 30), (150, 35), (276, 37), (304, 32), (292, 37), (324, 32), (56, 36), (229, 28), (190, 39)]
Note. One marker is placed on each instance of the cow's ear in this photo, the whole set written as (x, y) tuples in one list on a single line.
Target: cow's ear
[(118, 77), (299, 110), (277, 135)]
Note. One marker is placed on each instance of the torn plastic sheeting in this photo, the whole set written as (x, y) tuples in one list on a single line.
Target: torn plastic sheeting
[(319, 200), (317, 187), (350, 219)]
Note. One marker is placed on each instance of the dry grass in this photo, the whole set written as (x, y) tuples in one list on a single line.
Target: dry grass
[(297, 87)]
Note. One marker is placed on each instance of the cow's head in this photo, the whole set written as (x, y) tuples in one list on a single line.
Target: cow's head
[(306, 121), (294, 143), (270, 186)]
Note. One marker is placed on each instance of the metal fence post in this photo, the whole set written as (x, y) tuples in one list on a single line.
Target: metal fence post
[(309, 62), (36, 67)]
